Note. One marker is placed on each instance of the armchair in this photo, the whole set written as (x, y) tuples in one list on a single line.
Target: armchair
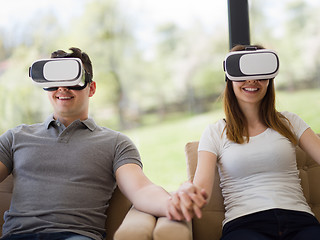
[(209, 227)]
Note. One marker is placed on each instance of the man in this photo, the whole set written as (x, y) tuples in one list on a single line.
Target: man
[(66, 168)]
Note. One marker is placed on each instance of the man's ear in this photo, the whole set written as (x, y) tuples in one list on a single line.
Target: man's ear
[(92, 88)]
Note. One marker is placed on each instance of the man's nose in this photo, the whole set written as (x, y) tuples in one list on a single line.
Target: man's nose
[(63, 89)]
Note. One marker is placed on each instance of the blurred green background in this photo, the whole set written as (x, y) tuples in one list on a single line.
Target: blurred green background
[(157, 64)]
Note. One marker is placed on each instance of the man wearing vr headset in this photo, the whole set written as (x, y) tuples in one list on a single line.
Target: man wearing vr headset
[(254, 149), (66, 168)]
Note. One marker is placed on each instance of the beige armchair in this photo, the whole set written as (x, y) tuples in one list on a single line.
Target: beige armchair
[(119, 206), (209, 227)]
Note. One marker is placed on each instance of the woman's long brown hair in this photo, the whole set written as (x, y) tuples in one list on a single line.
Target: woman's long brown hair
[(236, 122)]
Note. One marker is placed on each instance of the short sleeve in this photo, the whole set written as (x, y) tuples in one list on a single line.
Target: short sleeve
[(298, 124), (125, 152), (211, 138)]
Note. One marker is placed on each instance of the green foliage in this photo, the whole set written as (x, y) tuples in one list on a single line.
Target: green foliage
[(182, 71), (291, 30), (21, 101), (305, 103)]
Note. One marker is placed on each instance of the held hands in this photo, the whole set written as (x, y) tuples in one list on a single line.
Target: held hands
[(186, 203)]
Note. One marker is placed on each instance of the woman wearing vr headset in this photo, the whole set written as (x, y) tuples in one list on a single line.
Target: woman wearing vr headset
[(254, 148)]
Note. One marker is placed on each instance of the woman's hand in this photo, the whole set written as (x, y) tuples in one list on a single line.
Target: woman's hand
[(187, 202)]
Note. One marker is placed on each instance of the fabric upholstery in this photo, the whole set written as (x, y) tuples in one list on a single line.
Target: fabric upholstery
[(137, 225), (5, 197), (172, 230)]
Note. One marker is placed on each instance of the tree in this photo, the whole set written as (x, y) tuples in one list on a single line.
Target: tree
[(105, 34)]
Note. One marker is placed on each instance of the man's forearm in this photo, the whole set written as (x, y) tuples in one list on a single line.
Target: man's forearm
[(151, 199)]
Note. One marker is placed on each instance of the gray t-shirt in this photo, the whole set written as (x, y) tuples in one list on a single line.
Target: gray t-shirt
[(63, 177)]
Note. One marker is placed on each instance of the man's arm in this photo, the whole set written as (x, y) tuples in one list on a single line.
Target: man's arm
[(3, 172), (145, 195)]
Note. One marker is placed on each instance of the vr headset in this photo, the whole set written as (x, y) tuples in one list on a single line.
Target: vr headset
[(251, 65), (58, 72)]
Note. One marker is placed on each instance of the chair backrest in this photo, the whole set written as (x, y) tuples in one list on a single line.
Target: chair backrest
[(117, 210), (119, 206), (209, 227), (5, 197)]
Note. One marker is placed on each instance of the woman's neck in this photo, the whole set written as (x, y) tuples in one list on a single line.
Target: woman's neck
[(255, 124)]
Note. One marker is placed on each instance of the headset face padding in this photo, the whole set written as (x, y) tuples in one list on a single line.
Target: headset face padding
[(251, 65), (57, 72)]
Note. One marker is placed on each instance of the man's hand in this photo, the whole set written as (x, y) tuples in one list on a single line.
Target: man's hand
[(187, 202)]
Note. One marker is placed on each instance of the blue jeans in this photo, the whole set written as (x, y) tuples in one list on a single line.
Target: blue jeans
[(47, 236), (274, 224)]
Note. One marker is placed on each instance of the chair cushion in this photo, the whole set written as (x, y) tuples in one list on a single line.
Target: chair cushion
[(5, 198), (172, 230), (136, 226)]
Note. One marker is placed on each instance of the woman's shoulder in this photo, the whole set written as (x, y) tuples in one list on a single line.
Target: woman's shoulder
[(297, 123), (292, 117), (217, 127), (288, 114)]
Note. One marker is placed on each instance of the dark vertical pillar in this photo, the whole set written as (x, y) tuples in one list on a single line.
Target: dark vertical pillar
[(239, 29)]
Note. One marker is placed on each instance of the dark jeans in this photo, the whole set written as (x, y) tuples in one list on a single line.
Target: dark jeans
[(275, 224), (47, 236)]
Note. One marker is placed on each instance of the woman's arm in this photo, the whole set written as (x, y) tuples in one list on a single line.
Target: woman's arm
[(310, 143), (204, 176), (191, 197)]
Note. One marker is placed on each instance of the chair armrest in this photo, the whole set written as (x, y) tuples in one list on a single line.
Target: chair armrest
[(136, 225), (172, 230)]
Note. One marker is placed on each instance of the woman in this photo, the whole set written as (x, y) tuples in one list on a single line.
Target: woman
[(254, 147)]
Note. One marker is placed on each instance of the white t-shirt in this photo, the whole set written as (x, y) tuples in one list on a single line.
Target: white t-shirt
[(258, 175)]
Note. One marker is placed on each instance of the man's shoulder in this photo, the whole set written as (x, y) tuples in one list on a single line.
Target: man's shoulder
[(27, 127), (106, 130)]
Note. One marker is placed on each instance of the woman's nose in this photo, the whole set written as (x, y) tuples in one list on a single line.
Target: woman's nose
[(252, 81)]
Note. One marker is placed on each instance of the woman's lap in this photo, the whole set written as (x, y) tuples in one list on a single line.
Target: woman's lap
[(245, 234), (273, 224)]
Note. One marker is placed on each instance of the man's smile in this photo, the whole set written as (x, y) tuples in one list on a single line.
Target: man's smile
[(64, 98)]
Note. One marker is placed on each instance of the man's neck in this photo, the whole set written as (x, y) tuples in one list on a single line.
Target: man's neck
[(66, 121)]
